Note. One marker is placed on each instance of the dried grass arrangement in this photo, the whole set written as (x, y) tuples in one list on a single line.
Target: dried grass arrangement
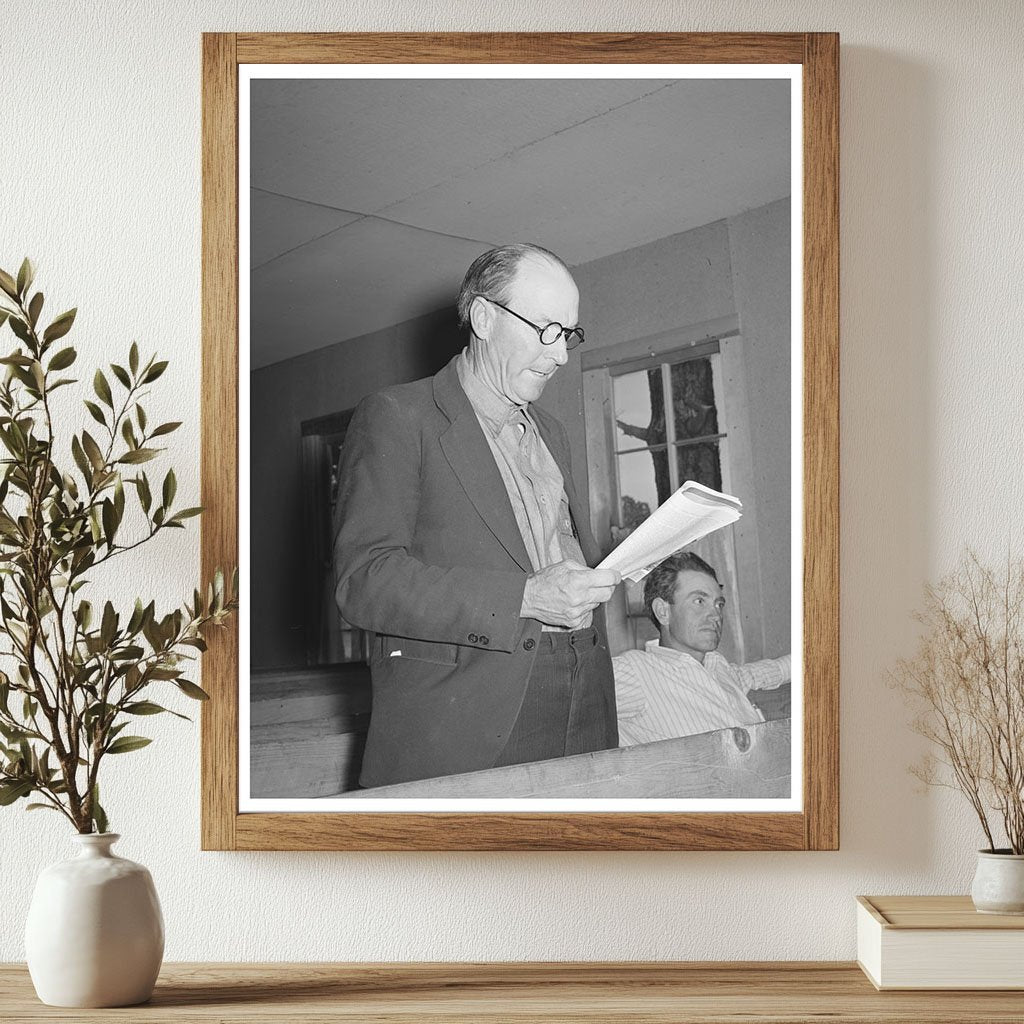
[(967, 680)]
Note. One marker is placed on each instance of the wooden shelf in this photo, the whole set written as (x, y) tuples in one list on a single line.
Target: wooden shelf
[(665, 993)]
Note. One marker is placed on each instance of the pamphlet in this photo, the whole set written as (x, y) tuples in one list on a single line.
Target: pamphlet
[(692, 512)]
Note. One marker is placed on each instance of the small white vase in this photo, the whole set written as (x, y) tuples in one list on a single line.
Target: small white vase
[(999, 882), (95, 933)]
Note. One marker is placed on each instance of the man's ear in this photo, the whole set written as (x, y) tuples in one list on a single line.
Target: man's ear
[(660, 607), (481, 316)]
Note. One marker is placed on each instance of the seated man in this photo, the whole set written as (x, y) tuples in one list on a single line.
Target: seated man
[(680, 685)]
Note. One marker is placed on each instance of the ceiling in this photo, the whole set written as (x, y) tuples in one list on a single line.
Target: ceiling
[(370, 198)]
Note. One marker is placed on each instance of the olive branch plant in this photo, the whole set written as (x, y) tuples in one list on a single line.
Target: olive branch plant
[(967, 682), (80, 675)]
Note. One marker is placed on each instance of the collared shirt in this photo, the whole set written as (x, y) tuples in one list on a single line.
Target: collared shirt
[(531, 476), (663, 693)]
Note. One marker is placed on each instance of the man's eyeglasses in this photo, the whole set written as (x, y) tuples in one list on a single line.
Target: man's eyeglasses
[(550, 333)]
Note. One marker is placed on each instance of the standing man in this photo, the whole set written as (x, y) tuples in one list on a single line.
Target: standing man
[(679, 685), (462, 544)]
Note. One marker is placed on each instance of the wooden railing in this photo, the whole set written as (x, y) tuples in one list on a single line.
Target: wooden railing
[(309, 728)]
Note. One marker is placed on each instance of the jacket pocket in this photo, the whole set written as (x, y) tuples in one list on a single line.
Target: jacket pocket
[(419, 650)]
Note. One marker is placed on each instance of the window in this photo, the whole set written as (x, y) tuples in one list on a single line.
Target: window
[(330, 640), (666, 431), (659, 411)]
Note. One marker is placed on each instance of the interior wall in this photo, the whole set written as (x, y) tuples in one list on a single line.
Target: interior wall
[(283, 396), (731, 267), (728, 267), (758, 248), (104, 192)]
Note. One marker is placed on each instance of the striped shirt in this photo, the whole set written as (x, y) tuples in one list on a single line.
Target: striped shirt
[(662, 693), (531, 476)]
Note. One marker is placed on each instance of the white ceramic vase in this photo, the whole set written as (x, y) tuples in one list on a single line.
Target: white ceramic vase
[(999, 882), (95, 933)]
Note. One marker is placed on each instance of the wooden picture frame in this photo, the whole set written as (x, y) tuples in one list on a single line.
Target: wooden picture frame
[(816, 826)]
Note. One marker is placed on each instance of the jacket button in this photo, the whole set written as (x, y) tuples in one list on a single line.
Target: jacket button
[(473, 638), (485, 640), (528, 645)]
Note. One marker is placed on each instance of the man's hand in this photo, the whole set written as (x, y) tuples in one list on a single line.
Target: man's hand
[(566, 593)]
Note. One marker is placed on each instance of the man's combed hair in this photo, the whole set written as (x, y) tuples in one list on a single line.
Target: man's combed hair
[(491, 274), (661, 581)]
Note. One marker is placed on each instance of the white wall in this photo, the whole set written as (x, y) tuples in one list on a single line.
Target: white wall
[(100, 172)]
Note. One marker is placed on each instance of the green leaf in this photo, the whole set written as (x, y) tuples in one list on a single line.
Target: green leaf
[(185, 513), (4, 314), (10, 442), (8, 284), (96, 412), (20, 328), (138, 615), (109, 521), (128, 433), (99, 816), (60, 326), (102, 388), (125, 744), (92, 449), (119, 499), (11, 791), (34, 308), (164, 673), (145, 498), (129, 653), (191, 690), (96, 711), (154, 371), (170, 488), (63, 359), (80, 458), (165, 428), (139, 455), (95, 527), (121, 374), (26, 274), (151, 632), (144, 707), (11, 733), (140, 415), (133, 358), (108, 627), (42, 807)]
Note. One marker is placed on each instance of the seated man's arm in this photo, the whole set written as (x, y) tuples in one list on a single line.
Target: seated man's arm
[(764, 675), (381, 587)]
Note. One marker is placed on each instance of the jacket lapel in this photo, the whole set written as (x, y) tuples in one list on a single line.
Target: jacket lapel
[(472, 461)]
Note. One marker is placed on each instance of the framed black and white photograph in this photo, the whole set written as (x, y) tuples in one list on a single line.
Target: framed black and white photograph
[(487, 304)]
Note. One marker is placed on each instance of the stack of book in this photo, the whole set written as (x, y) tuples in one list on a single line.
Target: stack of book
[(938, 942)]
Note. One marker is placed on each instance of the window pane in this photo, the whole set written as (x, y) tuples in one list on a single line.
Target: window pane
[(693, 399), (639, 409), (643, 484), (700, 462)]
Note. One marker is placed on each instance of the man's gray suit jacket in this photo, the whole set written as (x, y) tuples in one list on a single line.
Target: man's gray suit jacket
[(429, 557)]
